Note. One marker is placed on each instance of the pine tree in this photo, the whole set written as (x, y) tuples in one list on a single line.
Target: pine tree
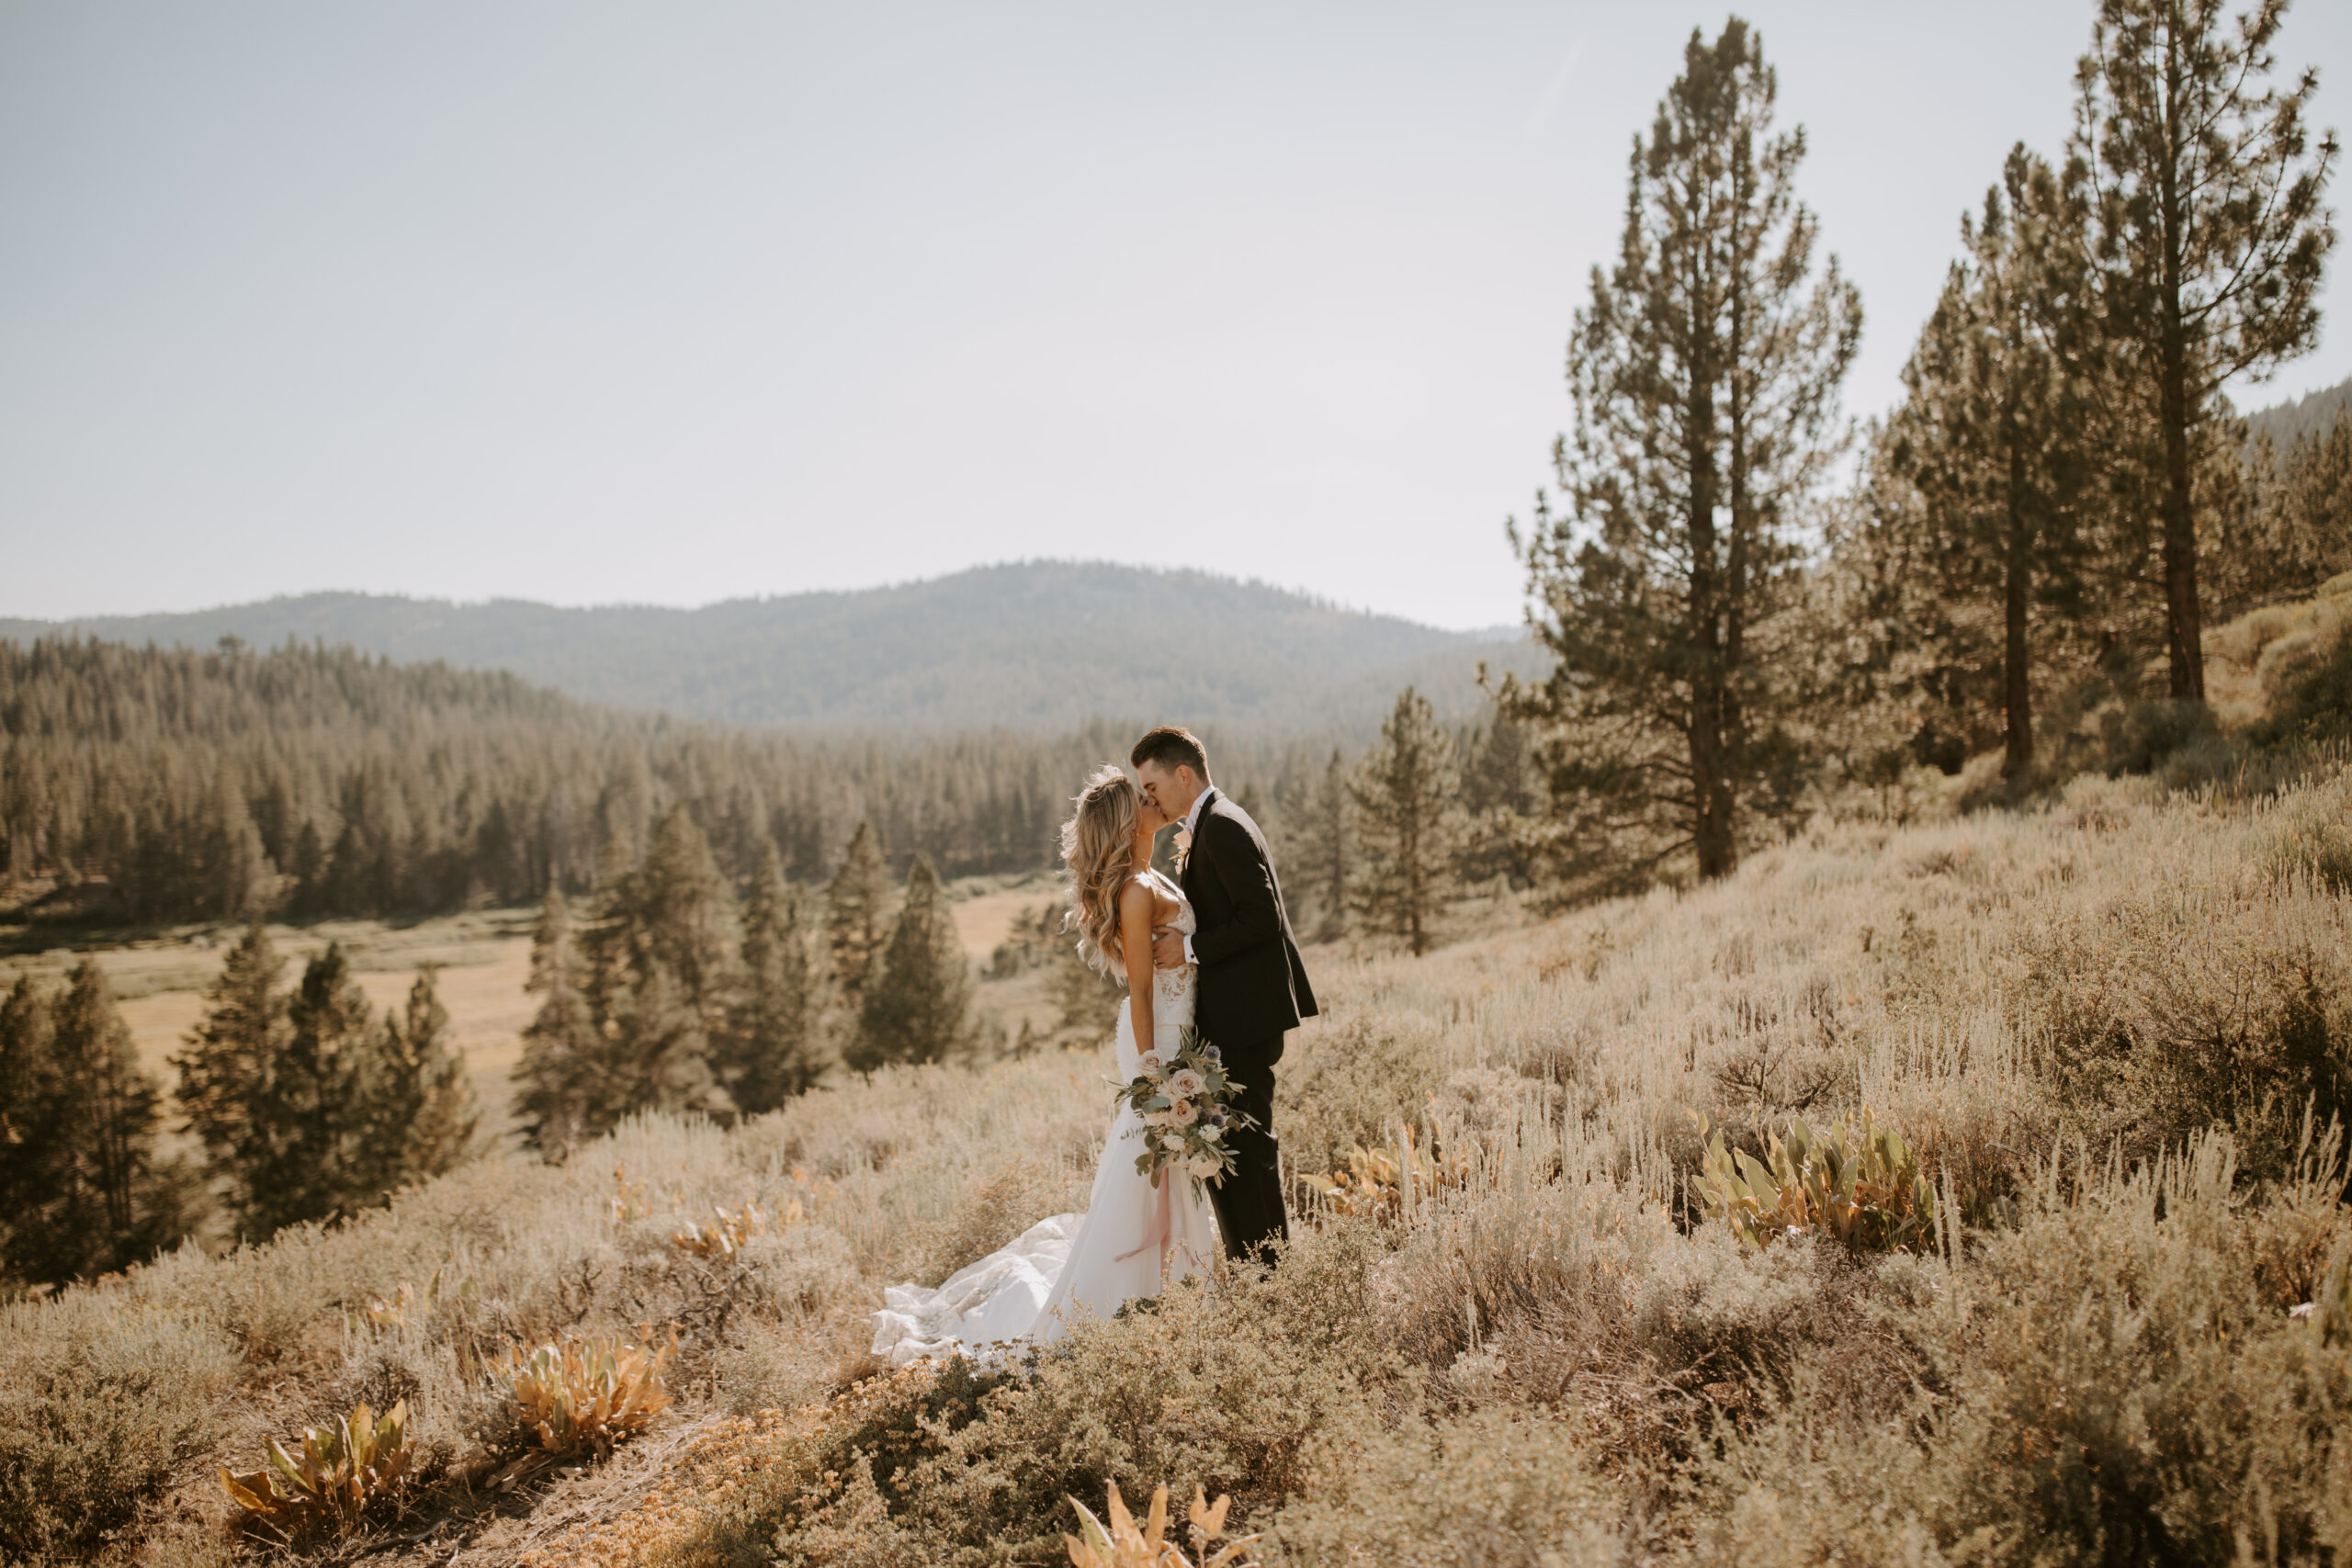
[(1498, 794), (917, 1008), (564, 1051), (1407, 824), (1325, 850), (2203, 218), (664, 1054), (417, 1110), (1993, 430), (657, 982), (1704, 374), (773, 1045), (681, 915), (32, 1116), (300, 1158), (89, 1203), (857, 918), (2304, 517), (1086, 999), (228, 1055)]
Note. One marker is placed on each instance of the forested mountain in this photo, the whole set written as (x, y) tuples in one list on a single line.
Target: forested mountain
[(1039, 646), (168, 784), (2313, 415)]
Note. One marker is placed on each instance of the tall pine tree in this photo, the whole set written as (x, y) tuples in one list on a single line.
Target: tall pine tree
[(1325, 849), (88, 1193), (857, 911), (227, 1056), (33, 1117), (1994, 431), (301, 1159), (1408, 824), (1704, 374), (2204, 221), (559, 1082), (417, 1101), (775, 1041), (1497, 795), (918, 1005)]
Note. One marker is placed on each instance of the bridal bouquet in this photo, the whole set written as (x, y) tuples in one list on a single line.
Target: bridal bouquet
[(1185, 1101)]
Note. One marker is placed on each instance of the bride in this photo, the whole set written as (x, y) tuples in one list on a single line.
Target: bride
[(1136, 1234)]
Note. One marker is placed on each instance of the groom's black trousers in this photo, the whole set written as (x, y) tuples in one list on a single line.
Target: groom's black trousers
[(1249, 1202)]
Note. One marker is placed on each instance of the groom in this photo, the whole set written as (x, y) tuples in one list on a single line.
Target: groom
[(1252, 987)]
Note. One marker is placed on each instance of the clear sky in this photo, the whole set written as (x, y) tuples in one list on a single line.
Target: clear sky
[(669, 303)]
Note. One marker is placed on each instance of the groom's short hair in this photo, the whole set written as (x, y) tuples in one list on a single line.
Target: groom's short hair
[(1172, 746)]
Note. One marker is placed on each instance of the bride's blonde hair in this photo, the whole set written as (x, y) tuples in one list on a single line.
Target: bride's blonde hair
[(1098, 846)]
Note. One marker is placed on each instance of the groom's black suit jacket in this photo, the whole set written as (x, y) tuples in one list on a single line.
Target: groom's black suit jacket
[(1252, 985)]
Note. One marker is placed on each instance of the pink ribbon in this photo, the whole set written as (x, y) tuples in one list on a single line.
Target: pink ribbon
[(1158, 1236)]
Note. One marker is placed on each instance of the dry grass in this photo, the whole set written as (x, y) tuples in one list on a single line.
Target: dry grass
[(1536, 1350)]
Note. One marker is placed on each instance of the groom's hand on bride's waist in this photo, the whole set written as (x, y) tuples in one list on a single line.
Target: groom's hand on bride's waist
[(1168, 948)]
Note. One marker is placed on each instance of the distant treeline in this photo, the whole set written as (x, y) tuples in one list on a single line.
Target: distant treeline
[(160, 785)]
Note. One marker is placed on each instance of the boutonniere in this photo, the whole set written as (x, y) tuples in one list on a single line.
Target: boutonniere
[(1182, 850)]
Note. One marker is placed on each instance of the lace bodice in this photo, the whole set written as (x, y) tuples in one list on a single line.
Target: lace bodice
[(1172, 990)]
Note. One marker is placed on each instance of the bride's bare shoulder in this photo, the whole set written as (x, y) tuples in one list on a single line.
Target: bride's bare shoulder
[(1145, 884)]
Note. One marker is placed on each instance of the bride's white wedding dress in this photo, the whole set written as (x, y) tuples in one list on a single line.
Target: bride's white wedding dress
[(1073, 1264)]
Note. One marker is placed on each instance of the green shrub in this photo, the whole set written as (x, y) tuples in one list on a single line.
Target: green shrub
[(1865, 1188), (1352, 1082), (1221, 1390), (2189, 1006), (2314, 704), (2109, 1386), (335, 1476), (1490, 1488), (96, 1415), (2153, 737)]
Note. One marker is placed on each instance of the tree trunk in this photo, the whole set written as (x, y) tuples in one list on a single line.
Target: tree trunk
[(2184, 627), (1710, 827), (2016, 675), (2184, 630)]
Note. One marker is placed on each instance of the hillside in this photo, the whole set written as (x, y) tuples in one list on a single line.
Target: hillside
[(2310, 415), (2096, 1026), (1034, 646)]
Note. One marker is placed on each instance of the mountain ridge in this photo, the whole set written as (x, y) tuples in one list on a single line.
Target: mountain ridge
[(2311, 414), (1028, 645)]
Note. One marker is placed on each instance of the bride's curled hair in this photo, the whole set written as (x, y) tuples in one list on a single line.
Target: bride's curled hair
[(1098, 846)]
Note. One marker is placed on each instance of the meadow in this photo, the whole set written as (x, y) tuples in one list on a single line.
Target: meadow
[(480, 960), (2115, 1030)]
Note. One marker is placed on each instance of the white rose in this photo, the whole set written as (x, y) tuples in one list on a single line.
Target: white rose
[(1183, 1113), (1152, 1063), (1185, 1084), (1202, 1166)]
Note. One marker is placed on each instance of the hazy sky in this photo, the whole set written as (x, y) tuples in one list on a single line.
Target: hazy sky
[(679, 302)]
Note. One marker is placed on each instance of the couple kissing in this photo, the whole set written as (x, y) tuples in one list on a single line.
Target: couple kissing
[(1214, 979)]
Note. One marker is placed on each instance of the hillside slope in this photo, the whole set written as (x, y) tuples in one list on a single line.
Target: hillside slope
[(2097, 1026), (1034, 646), (2310, 415)]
